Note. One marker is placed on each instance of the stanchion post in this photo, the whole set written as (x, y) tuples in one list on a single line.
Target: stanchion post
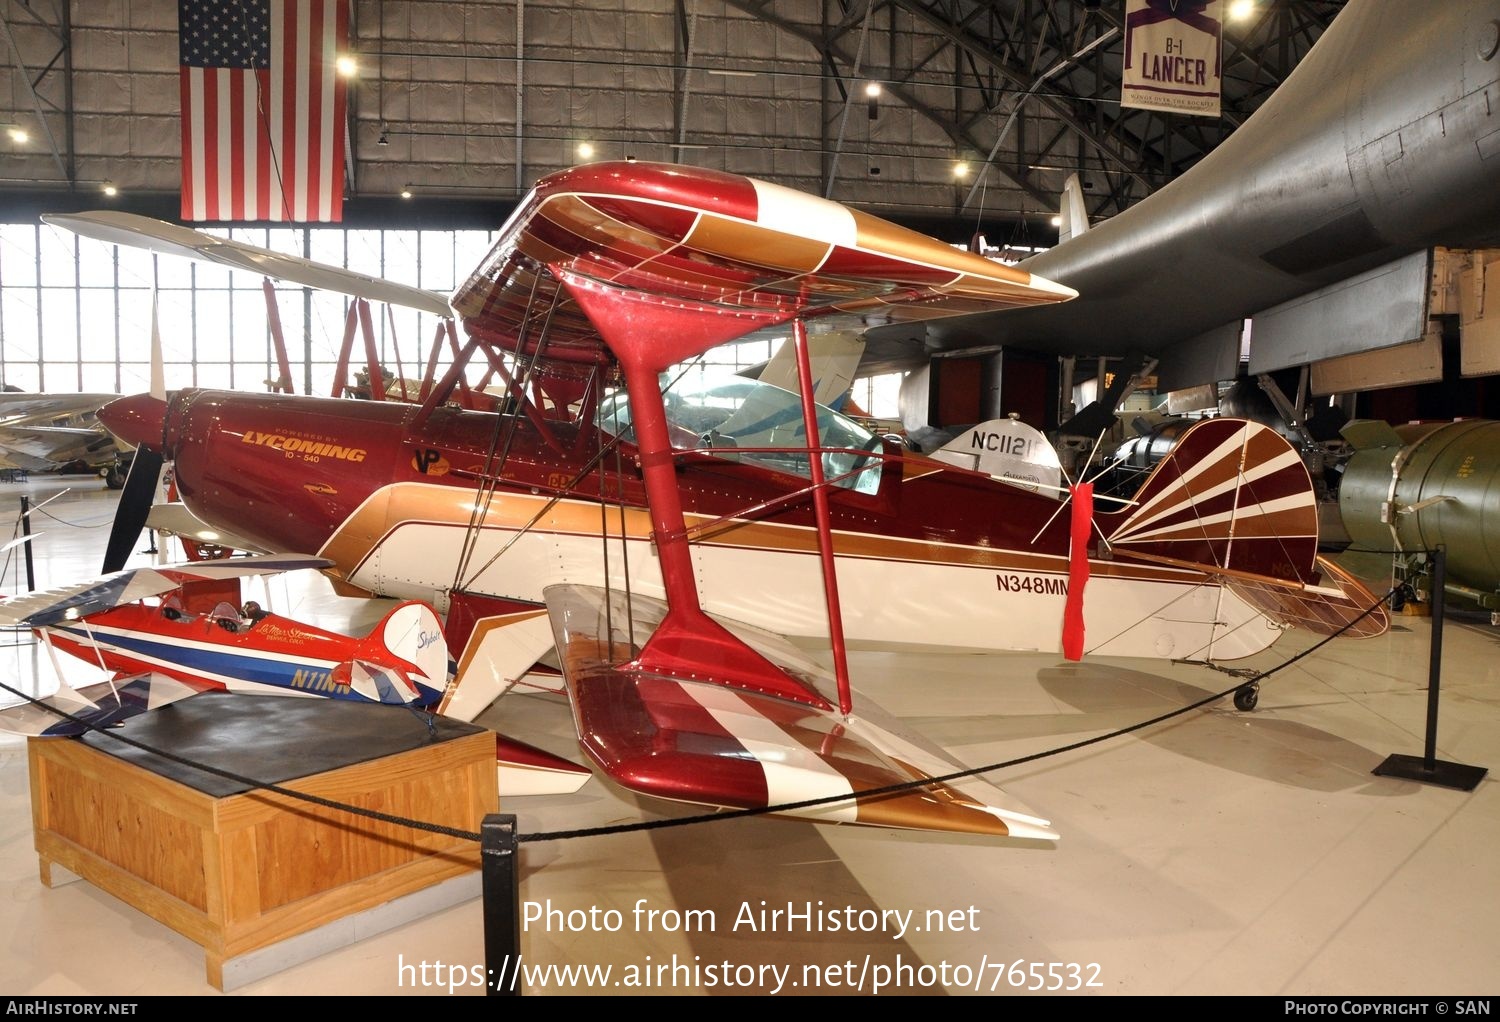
[(1435, 652), (499, 866), (26, 547), (1428, 768)]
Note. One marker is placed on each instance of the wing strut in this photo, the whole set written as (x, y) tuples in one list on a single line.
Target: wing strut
[(647, 334), (820, 513)]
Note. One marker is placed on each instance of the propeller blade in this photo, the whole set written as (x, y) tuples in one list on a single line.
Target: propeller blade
[(136, 499)]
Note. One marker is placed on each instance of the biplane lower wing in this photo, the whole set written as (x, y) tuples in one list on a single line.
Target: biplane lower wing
[(715, 745), (74, 711)]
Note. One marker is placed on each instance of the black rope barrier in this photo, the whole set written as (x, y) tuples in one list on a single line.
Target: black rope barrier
[(718, 815), (500, 842), (101, 523)]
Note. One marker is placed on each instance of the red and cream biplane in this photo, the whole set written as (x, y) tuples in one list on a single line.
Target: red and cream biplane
[(676, 531)]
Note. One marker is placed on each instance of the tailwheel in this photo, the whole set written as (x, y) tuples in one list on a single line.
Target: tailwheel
[(1246, 696)]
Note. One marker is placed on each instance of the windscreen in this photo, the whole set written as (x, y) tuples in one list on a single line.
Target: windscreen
[(725, 414)]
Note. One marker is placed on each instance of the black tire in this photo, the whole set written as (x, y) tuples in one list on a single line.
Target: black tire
[(1246, 698)]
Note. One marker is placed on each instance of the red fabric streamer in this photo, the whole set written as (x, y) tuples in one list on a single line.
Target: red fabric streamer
[(1082, 496)]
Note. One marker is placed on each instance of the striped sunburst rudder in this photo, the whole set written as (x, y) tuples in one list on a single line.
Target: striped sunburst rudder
[(1233, 496)]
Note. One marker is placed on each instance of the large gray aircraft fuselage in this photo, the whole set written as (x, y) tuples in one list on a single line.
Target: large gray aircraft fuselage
[(1383, 141)]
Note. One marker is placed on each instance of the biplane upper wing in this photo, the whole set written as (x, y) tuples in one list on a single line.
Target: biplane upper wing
[(665, 230), (685, 234), (79, 599)]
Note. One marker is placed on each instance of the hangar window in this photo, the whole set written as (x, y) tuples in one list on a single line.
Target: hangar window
[(75, 314)]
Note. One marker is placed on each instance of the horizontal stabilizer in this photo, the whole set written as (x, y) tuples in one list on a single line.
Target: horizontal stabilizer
[(1338, 604), (719, 746), (375, 682)]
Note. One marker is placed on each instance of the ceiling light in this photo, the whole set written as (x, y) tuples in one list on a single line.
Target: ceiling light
[(110, 189), (406, 191), (18, 134), (347, 66), (585, 151), (960, 170), (872, 89), (726, 73), (1239, 10), (1057, 221)]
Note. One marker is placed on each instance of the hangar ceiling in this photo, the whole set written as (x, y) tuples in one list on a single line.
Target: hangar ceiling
[(1022, 92)]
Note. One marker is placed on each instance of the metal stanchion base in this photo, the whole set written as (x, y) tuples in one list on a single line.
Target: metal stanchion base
[(1439, 772)]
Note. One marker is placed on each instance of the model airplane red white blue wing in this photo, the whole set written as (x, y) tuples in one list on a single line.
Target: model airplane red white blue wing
[(198, 637), (69, 712), (74, 600)]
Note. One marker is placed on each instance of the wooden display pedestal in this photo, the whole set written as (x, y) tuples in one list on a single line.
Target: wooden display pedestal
[(242, 871)]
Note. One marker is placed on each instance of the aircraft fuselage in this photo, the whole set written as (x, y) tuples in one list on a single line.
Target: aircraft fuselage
[(930, 557)]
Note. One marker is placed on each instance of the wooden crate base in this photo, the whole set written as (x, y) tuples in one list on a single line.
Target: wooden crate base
[(243, 872)]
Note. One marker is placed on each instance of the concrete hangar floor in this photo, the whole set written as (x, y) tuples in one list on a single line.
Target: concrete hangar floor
[(1217, 853)]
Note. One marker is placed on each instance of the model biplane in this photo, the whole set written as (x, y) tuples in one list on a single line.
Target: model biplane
[(169, 632), (674, 530)]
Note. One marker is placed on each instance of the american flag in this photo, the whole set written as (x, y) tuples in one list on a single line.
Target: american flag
[(263, 109)]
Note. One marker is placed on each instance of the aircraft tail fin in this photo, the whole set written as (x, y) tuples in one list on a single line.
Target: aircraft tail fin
[(1074, 218), (1234, 500), (1232, 495), (406, 645), (834, 358)]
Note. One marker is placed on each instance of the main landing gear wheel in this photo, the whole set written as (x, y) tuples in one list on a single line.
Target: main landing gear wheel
[(1246, 697)]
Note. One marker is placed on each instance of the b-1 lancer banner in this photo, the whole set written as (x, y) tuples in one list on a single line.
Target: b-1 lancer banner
[(1173, 56)]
